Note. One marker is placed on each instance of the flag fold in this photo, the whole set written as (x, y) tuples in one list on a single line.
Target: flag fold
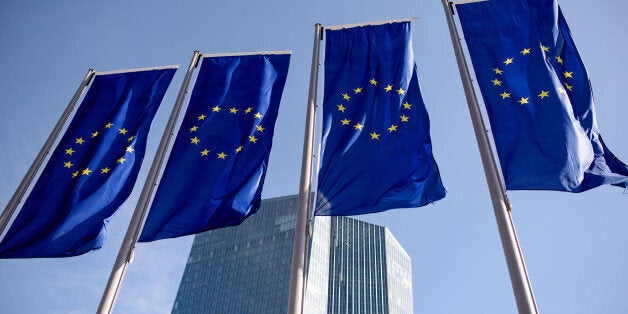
[(92, 170), (538, 97), (376, 147), (215, 173)]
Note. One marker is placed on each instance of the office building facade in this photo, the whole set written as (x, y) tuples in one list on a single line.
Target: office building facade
[(354, 267)]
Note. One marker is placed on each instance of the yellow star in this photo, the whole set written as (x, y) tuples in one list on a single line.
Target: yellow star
[(345, 96), (496, 82), (216, 109), (523, 100), (544, 48), (195, 140), (202, 117), (373, 82), (75, 174), (221, 155), (122, 131), (392, 128), (105, 170), (69, 151), (258, 115), (543, 94), (358, 126), (68, 164), (404, 118), (252, 139), (108, 125), (525, 51), (86, 172), (345, 121), (95, 134), (407, 105), (562, 90), (341, 108), (400, 91), (205, 152), (233, 110), (259, 128), (569, 87), (248, 110), (357, 90), (193, 129), (121, 160), (568, 74), (80, 141), (130, 149), (388, 88), (559, 59), (239, 149), (509, 61), (130, 138), (505, 95), (374, 136), (498, 71)]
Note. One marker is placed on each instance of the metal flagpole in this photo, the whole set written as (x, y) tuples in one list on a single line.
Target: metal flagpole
[(297, 282), (30, 174), (514, 258), (125, 255)]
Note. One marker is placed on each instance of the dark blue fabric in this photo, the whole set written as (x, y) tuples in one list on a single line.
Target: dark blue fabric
[(538, 97), (377, 152), (215, 172), (91, 171)]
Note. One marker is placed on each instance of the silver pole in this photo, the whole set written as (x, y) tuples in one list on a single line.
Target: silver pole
[(512, 251), (30, 174), (125, 255), (297, 285)]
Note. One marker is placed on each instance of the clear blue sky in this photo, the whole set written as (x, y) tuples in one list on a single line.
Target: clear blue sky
[(575, 245)]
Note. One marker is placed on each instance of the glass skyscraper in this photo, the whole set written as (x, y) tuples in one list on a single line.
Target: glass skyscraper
[(354, 267)]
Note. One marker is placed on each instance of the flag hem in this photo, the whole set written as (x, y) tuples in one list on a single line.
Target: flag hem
[(233, 54), (466, 1), (345, 26), (174, 66)]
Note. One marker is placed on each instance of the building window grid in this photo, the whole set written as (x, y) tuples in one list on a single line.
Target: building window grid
[(382, 256), (353, 266), (365, 296), (364, 269)]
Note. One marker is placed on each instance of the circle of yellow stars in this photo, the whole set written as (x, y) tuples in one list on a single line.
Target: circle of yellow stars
[(542, 94), (83, 141), (357, 126), (224, 153)]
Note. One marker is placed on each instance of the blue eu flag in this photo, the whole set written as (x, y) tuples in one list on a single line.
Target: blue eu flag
[(538, 97), (92, 170), (377, 151), (215, 172)]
